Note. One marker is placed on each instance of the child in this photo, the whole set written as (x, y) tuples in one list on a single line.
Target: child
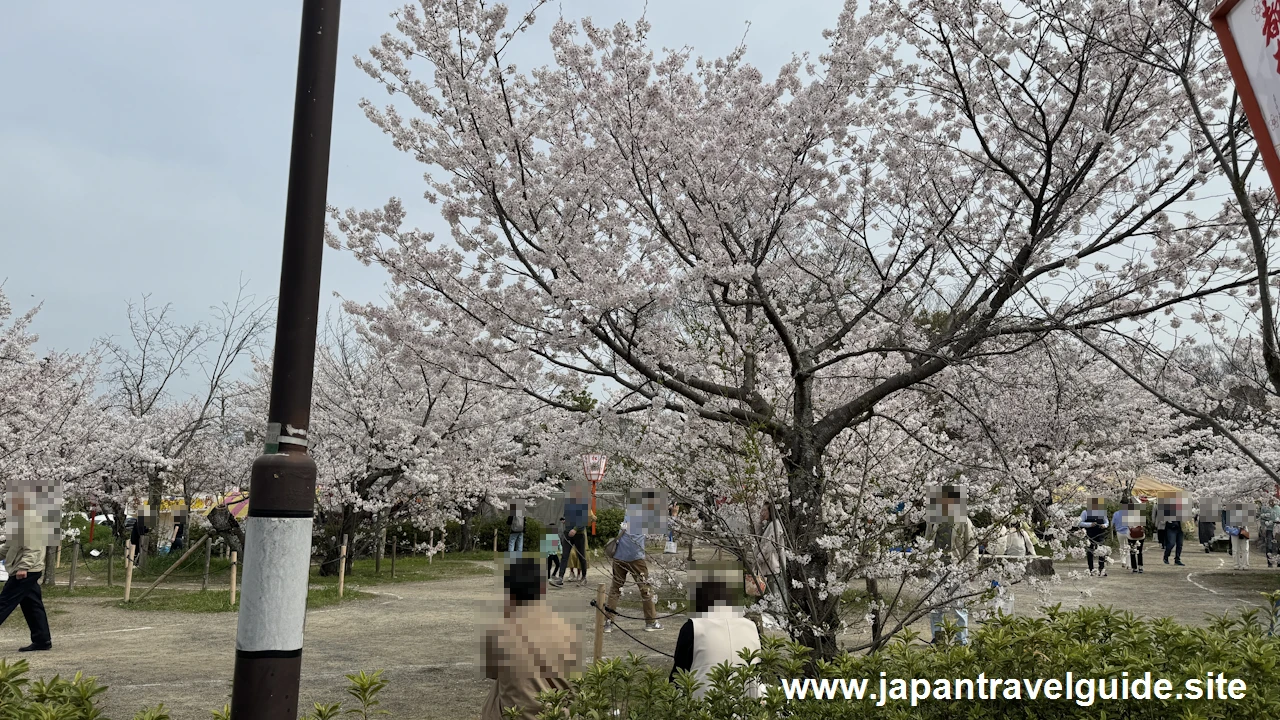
[(551, 548)]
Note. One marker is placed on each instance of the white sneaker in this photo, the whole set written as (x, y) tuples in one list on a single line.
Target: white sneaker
[(653, 626), (608, 626)]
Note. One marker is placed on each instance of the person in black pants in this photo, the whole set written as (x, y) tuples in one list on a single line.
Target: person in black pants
[(1173, 541), (25, 566), (136, 535), (573, 530), (1094, 520)]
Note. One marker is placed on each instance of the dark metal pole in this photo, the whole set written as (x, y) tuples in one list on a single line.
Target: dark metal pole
[(277, 550)]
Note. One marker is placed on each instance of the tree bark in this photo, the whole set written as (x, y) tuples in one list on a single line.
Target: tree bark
[(333, 543), (805, 478)]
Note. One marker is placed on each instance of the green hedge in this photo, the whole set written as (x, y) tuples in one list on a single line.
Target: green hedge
[(1090, 643), (608, 523)]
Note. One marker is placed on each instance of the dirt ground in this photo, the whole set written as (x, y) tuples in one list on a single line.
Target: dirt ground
[(425, 636)]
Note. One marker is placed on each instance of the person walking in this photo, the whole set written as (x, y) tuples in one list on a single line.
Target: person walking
[(1172, 525), (1094, 521), (515, 519), (1239, 546), (1117, 518), (531, 650), (23, 554), (717, 633), (574, 529), (1269, 524), (1131, 526), (1236, 527), (551, 548), (629, 559)]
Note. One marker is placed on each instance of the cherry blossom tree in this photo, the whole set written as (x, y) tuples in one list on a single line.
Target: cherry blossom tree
[(399, 440), (44, 404), (787, 255), (1237, 327), (142, 372)]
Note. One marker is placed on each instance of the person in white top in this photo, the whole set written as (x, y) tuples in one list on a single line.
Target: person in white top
[(718, 632)]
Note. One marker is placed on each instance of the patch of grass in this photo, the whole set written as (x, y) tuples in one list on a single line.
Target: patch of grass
[(59, 592), (218, 601), (411, 569), (1253, 580)]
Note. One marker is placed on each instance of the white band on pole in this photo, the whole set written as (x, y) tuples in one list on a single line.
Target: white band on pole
[(273, 593)]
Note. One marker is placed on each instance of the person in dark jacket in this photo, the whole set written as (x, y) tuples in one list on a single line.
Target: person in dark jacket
[(574, 529), (139, 531), (1094, 521), (1171, 520)]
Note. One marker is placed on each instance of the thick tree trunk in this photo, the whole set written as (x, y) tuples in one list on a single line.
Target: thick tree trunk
[(877, 622), (805, 481)]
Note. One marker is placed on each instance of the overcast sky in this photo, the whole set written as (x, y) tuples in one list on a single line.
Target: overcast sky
[(144, 145)]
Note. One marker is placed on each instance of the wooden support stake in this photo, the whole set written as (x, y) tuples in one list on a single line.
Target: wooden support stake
[(173, 567), (128, 570), (208, 555), (431, 551), (601, 598), (342, 566), (495, 539), (233, 577), (111, 560), (394, 542), (75, 556), (377, 553), (58, 562)]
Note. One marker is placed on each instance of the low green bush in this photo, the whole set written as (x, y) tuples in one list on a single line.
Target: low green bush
[(77, 698), (608, 524), (1090, 643)]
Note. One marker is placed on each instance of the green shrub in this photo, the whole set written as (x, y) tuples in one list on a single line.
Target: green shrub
[(77, 699), (608, 523), (1090, 642), (56, 699)]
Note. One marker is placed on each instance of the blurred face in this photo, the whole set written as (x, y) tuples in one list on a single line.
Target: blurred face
[(1130, 515)]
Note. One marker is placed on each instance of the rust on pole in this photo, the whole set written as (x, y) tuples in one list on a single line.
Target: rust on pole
[(277, 549)]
